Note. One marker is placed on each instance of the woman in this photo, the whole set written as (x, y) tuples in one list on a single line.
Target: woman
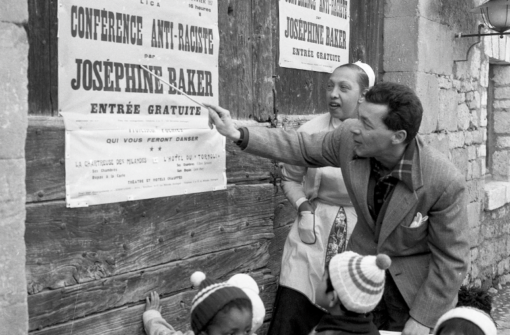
[(326, 217)]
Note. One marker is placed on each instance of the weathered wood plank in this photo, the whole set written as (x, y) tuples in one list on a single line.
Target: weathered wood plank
[(263, 64), (70, 246), (128, 320), (235, 57), (45, 152), (58, 306), (42, 56)]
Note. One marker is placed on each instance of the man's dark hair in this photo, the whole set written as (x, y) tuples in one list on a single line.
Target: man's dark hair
[(404, 107)]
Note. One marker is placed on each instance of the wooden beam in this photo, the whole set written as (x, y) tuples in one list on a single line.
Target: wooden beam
[(45, 160), (70, 246), (128, 320), (58, 306)]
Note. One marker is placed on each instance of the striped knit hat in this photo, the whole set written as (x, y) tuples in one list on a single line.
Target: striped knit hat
[(210, 299), (358, 280)]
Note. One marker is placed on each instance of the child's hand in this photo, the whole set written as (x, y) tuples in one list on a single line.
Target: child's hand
[(152, 302)]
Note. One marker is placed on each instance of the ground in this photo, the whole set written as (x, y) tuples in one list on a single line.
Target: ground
[(501, 310)]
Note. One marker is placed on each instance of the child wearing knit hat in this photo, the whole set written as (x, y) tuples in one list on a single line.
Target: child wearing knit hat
[(351, 288), (232, 307), (465, 321)]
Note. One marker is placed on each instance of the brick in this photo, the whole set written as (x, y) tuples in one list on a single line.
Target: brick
[(482, 151), (463, 117), (501, 75), (503, 142), (447, 117), (501, 93), (400, 44), (456, 139), (501, 165), (501, 122), (14, 11)]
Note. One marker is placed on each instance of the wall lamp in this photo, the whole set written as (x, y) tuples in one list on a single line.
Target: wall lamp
[(496, 16)]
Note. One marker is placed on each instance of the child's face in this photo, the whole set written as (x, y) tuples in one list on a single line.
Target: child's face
[(321, 297), (233, 322)]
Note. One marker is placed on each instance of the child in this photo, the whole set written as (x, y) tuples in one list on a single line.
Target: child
[(218, 308), (351, 288), (465, 321)]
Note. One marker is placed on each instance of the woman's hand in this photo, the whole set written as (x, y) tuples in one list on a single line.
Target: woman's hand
[(306, 207), (220, 117)]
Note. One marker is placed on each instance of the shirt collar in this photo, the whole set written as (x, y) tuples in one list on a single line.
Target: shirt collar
[(403, 171)]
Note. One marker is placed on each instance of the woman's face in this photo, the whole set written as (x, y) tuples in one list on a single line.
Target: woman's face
[(343, 93)]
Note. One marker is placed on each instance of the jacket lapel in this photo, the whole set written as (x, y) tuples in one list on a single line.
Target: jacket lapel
[(359, 170)]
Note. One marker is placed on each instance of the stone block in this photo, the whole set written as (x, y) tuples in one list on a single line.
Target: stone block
[(503, 266), (484, 74), (487, 255), (473, 100), (501, 104), (12, 187), (14, 319), (463, 117), (400, 44), (445, 82), (13, 90), (475, 190), (483, 117), (460, 159), (461, 98), (482, 151), (502, 122), (477, 136), (447, 118), (495, 195), (474, 254), (483, 98), (427, 89), (456, 139), (502, 93), (472, 150), (468, 138), (473, 213), (14, 11), (438, 141), (501, 165), (503, 142), (397, 8), (434, 36), (456, 84), (501, 75), (474, 63)]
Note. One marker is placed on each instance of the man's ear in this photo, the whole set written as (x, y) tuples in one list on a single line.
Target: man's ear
[(332, 298), (399, 137)]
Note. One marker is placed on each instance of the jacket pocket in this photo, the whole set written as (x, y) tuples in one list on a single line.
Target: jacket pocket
[(411, 237), (306, 227)]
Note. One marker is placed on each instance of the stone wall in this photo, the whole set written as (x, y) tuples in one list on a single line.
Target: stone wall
[(13, 125), (451, 77)]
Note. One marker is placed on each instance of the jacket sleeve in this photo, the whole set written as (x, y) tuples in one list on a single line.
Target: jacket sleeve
[(154, 324), (448, 241), (292, 182)]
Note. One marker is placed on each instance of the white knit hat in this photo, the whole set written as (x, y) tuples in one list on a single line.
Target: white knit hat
[(358, 280), (369, 71), (478, 317)]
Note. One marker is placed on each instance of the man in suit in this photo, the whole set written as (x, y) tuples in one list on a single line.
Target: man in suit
[(410, 200)]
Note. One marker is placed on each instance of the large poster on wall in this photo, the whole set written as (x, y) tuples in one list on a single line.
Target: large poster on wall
[(314, 34), (133, 76)]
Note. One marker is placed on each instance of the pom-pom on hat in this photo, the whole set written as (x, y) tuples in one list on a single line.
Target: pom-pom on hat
[(358, 280), (369, 71), (476, 316), (210, 299)]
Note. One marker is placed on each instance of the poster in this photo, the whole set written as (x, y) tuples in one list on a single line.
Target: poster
[(314, 34), (116, 112)]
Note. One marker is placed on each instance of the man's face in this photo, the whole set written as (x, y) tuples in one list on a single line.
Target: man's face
[(233, 322), (372, 138)]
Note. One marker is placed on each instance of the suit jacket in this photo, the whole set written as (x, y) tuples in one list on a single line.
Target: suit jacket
[(429, 262)]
